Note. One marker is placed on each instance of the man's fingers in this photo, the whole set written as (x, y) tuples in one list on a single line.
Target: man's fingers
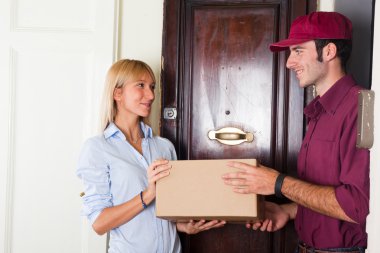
[(264, 225), (270, 226), (236, 182), (235, 175), (241, 190), (242, 166)]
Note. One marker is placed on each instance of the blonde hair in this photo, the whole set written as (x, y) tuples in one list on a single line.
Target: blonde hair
[(120, 72)]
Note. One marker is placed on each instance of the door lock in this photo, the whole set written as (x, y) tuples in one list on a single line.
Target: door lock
[(170, 113)]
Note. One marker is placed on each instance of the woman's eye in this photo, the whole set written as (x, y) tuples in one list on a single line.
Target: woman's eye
[(153, 86), (140, 85)]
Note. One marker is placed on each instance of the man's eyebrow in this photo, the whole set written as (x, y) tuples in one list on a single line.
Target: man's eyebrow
[(296, 47)]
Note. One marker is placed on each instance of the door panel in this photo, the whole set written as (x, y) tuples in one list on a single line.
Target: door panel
[(53, 58), (229, 82), (218, 71)]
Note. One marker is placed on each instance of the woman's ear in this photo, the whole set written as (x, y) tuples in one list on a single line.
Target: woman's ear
[(117, 94)]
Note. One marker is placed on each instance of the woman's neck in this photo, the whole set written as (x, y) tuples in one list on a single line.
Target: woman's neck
[(130, 128)]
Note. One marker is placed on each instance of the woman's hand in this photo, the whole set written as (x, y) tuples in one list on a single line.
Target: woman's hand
[(156, 170), (194, 227)]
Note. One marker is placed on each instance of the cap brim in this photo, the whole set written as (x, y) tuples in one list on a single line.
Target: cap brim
[(285, 44)]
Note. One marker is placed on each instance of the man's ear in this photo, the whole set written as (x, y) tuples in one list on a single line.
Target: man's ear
[(117, 94), (330, 51)]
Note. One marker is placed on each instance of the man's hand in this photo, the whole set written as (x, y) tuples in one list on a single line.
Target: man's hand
[(276, 217), (251, 179)]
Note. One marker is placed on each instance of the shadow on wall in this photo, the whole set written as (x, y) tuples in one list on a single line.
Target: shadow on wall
[(361, 15)]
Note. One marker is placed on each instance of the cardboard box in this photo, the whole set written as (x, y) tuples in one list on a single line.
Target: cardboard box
[(195, 190)]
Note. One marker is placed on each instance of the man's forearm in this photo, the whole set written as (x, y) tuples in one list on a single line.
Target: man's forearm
[(318, 198)]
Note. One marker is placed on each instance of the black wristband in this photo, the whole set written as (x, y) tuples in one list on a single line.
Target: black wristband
[(278, 185), (142, 201)]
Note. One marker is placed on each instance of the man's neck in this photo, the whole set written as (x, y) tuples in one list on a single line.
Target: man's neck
[(333, 75)]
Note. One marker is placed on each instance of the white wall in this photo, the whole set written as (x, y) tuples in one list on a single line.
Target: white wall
[(373, 221), (141, 38), (326, 5)]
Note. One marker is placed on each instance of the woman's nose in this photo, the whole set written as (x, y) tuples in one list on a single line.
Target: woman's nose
[(149, 93)]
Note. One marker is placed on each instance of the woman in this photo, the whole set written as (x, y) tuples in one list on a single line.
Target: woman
[(120, 185)]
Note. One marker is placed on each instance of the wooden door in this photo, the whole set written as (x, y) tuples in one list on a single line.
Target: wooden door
[(218, 72)]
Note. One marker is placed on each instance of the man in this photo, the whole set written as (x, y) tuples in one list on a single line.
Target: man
[(330, 200)]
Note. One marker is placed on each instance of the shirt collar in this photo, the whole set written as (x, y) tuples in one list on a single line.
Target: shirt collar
[(334, 96), (330, 101), (112, 130), (313, 109)]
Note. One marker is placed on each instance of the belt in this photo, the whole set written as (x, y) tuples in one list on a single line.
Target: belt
[(303, 248)]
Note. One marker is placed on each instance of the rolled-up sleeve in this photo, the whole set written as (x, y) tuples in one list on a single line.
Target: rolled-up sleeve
[(353, 194), (93, 170)]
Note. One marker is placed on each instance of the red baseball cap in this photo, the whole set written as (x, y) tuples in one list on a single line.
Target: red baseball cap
[(316, 25)]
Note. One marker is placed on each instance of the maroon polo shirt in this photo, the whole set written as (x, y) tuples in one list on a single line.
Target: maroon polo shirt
[(329, 156)]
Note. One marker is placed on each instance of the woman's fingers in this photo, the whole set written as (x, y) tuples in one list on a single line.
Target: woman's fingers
[(157, 163), (216, 224), (161, 168), (202, 225), (158, 169), (197, 225), (160, 175)]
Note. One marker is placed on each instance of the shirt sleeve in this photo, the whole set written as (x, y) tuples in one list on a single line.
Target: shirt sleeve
[(167, 147), (173, 154), (353, 194), (94, 172)]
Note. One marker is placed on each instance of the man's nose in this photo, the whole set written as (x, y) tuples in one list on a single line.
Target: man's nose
[(290, 62)]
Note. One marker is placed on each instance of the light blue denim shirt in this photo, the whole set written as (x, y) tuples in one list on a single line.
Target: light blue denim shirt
[(113, 172)]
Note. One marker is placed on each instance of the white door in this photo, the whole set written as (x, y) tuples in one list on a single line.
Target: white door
[(53, 58)]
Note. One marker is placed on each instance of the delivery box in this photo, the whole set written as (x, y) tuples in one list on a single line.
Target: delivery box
[(195, 190)]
